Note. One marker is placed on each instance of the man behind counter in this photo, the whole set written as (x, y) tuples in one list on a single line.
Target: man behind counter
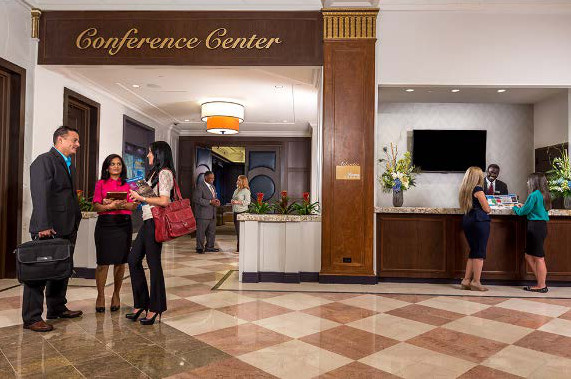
[(492, 185)]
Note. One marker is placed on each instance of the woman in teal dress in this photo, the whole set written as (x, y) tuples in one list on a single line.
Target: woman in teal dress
[(536, 209)]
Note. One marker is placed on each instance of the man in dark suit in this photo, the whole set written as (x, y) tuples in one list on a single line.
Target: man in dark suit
[(55, 213), (205, 203), (492, 185)]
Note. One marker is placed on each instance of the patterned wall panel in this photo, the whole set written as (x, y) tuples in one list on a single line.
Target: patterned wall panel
[(509, 144)]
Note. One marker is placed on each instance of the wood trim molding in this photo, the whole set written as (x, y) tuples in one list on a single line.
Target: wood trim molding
[(349, 23)]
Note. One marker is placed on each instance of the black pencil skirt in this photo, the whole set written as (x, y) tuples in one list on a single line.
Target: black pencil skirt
[(477, 231), (535, 237), (113, 236)]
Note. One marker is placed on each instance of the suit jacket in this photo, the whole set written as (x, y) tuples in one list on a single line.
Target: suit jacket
[(201, 199), (54, 197), (501, 188)]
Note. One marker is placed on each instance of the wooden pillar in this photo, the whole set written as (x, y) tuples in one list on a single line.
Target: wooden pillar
[(348, 145)]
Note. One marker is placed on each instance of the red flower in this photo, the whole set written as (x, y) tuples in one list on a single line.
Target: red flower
[(306, 197), (79, 193), (284, 194), (260, 197)]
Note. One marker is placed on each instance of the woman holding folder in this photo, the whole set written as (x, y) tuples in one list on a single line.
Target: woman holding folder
[(114, 230)]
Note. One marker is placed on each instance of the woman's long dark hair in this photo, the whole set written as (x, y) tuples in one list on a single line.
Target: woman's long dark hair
[(538, 181), (105, 168), (162, 159)]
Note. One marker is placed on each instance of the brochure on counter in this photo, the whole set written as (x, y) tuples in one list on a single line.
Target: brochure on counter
[(502, 201)]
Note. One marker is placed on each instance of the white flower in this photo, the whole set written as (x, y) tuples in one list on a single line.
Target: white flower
[(394, 175)]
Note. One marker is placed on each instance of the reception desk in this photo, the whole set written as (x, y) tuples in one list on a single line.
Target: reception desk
[(428, 243), (279, 248)]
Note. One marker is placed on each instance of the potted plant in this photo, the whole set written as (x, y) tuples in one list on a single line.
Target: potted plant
[(399, 174), (560, 178), (283, 206), (260, 206), (85, 205), (306, 207)]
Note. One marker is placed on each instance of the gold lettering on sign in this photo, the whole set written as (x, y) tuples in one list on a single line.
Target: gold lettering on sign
[(348, 171), (216, 39)]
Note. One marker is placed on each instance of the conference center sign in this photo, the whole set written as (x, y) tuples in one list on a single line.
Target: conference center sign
[(181, 38)]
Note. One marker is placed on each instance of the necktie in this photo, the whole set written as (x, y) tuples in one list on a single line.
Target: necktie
[(491, 189), (212, 190)]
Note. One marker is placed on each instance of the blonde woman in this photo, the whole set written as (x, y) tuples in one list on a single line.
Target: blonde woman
[(240, 202), (476, 225)]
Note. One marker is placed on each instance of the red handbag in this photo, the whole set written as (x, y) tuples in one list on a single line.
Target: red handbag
[(174, 220)]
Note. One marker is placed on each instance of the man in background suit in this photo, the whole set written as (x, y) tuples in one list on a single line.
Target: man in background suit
[(205, 203), (55, 213), (492, 185)]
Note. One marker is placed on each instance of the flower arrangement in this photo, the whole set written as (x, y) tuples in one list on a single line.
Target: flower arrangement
[(283, 206), (560, 176), (85, 205), (260, 206), (399, 174), (306, 207)]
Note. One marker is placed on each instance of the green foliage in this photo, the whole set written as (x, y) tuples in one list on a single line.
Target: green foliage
[(306, 207), (560, 176), (399, 174), (85, 205)]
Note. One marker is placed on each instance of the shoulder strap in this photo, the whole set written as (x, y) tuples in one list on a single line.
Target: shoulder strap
[(177, 195)]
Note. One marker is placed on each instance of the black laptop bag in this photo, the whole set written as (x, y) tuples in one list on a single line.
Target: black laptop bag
[(44, 259)]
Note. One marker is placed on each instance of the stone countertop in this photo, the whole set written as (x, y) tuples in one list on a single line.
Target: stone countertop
[(277, 217), (454, 211)]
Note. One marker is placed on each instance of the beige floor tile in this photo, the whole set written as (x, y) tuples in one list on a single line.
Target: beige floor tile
[(523, 362), (202, 322), (296, 324), (493, 330), (410, 361), (454, 305), (297, 301), (553, 369), (10, 317), (391, 326), (295, 359), (534, 307), (558, 326), (185, 271), (375, 303), (175, 281), (220, 299)]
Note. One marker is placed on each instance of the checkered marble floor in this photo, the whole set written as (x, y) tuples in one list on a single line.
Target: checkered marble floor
[(260, 334)]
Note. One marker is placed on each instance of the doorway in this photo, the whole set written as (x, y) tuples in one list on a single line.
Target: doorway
[(82, 114), (12, 111)]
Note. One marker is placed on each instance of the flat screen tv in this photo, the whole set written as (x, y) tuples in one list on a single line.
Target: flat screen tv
[(448, 150)]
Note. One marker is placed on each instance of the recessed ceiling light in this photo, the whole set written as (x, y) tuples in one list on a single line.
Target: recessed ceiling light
[(284, 120), (279, 86), (502, 90), (455, 90), (409, 90), (136, 86), (186, 120)]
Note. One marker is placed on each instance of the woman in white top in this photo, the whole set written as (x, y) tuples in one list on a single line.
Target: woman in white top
[(161, 179), (240, 202)]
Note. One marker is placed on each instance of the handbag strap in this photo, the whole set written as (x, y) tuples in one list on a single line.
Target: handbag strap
[(177, 195)]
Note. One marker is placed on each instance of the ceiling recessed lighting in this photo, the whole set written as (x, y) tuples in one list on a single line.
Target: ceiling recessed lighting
[(136, 86), (284, 120), (502, 90), (455, 90), (409, 90), (278, 86), (186, 120)]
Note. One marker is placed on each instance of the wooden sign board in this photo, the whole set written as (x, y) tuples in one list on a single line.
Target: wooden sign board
[(348, 172), (181, 38)]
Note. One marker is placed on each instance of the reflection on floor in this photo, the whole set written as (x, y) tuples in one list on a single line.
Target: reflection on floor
[(262, 334)]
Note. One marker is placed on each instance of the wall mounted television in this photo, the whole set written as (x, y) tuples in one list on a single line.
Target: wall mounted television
[(448, 150)]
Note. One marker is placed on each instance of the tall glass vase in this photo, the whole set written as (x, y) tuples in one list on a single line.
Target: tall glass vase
[(397, 198)]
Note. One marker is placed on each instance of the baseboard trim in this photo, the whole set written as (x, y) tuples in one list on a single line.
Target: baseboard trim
[(279, 277), (348, 279)]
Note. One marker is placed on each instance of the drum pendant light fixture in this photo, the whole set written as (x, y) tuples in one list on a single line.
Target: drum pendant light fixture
[(222, 117)]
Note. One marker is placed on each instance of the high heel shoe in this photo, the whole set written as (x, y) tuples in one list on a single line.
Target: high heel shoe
[(465, 284), (150, 321), (99, 309), (135, 315), (114, 308), (474, 286)]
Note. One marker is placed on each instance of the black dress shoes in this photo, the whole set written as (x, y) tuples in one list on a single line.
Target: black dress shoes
[(212, 250), (65, 314), (39, 326), (200, 251)]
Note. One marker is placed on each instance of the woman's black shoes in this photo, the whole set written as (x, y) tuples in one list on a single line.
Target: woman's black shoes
[(114, 308), (540, 290), (99, 309), (150, 321), (135, 315)]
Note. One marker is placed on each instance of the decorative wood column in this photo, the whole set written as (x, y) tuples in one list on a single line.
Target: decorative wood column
[(348, 145)]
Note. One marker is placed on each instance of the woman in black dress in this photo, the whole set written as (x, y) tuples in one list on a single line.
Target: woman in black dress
[(113, 231), (476, 225)]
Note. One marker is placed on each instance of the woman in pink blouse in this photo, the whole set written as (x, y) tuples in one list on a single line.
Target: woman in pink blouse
[(114, 230)]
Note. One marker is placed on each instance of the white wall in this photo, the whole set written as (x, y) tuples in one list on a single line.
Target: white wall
[(509, 144), (474, 48), (551, 121)]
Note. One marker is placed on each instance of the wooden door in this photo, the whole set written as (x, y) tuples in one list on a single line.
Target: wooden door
[(263, 169), (4, 159)]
